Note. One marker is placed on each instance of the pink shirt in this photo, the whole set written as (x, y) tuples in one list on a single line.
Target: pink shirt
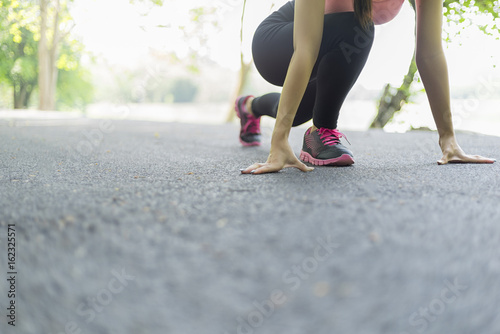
[(383, 10)]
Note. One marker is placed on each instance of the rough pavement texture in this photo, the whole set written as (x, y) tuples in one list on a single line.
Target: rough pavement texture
[(137, 227)]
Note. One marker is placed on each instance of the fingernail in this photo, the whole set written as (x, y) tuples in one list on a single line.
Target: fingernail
[(241, 170), (253, 171)]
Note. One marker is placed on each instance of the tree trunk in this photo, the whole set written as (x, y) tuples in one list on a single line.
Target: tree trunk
[(17, 99), (47, 57), (29, 90), (43, 57), (244, 70), (390, 103), (21, 97), (54, 54), (242, 79), (21, 89)]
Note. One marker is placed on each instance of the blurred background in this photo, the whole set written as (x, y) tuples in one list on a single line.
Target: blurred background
[(186, 61)]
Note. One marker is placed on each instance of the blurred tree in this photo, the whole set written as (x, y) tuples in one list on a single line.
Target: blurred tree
[(205, 22), (18, 67), (245, 67), (24, 66), (184, 90), (74, 83), (152, 2), (459, 14), (393, 98), (54, 26), (18, 59)]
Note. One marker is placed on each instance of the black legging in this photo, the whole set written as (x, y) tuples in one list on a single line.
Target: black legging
[(344, 50)]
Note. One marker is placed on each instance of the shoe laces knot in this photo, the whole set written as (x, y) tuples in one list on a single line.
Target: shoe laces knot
[(331, 137), (252, 125)]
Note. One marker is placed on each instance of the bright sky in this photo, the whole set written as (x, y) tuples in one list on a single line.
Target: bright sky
[(116, 30)]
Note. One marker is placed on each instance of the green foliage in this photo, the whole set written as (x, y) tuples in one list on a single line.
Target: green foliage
[(459, 14), (462, 14), (19, 36), (74, 84), (154, 2), (460, 7), (18, 54), (74, 89), (204, 23)]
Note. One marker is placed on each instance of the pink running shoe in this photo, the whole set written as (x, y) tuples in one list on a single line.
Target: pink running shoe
[(322, 147), (250, 125)]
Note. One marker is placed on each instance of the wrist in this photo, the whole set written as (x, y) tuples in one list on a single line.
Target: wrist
[(446, 137), (448, 143), (280, 134)]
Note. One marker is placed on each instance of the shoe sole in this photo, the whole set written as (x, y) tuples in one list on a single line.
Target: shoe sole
[(244, 143), (344, 160), (237, 109)]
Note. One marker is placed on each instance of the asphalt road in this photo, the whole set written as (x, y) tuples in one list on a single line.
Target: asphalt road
[(141, 227)]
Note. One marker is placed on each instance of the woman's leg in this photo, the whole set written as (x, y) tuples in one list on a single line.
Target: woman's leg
[(340, 62), (272, 50), (344, 51), (267, 105)]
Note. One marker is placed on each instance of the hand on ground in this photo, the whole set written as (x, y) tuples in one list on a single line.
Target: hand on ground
[(281, 156), (452, 153)]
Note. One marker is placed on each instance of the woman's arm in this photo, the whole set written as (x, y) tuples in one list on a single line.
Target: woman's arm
[(433, 69), (432, 65), (307, 36)]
